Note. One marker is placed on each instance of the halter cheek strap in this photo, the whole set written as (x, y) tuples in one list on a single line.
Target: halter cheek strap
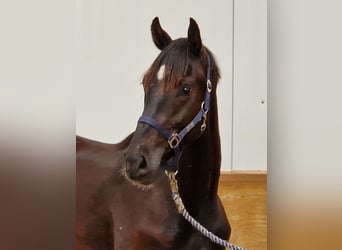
[(174, 139)]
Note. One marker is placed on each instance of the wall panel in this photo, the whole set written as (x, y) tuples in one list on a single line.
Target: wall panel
[(249, 128)]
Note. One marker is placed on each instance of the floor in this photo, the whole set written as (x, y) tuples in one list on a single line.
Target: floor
[(244, 196)]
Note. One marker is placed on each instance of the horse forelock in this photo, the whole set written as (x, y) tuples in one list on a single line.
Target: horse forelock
[(172, 64)]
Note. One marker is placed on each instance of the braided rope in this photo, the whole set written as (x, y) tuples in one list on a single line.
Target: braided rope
[(182, 210)]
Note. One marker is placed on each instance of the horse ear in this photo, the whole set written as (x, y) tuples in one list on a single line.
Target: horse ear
[(194, 37), (160, 38)]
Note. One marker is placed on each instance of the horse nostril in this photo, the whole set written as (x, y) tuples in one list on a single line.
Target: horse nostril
[(142, 164), (136, 162)]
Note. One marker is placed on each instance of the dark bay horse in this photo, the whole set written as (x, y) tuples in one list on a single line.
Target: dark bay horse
[(123, 195)]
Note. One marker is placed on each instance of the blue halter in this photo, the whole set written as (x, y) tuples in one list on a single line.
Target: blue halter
[(174, 139)]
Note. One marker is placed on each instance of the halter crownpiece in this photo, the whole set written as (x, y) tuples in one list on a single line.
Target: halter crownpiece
[(174, 139)]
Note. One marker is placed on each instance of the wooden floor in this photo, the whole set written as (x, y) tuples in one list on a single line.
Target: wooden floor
[(244, 196)]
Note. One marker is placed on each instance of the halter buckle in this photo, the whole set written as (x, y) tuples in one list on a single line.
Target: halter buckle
[(174, 140)]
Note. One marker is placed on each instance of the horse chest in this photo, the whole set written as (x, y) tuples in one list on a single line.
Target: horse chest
[(145, 220)]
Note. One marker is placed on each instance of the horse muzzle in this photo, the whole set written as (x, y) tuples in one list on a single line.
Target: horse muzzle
[(142, 167)]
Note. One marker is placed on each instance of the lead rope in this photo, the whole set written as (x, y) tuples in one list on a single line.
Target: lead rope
[(182, 210)]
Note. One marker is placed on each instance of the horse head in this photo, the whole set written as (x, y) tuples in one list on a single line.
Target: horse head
[(176, 87)]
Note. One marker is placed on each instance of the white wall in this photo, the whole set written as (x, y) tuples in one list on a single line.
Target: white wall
[(115, 49), (249, 140)]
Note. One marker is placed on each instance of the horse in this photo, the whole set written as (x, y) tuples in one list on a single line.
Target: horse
[(123, 196)]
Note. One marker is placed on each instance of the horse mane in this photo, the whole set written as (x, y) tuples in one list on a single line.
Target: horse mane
[(176, 60)]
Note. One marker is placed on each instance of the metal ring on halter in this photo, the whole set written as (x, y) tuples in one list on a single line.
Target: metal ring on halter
[(204, 125), (209, 86), (202, 105), (174, 140)]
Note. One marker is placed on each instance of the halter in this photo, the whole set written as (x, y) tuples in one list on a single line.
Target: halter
[(174, 139)]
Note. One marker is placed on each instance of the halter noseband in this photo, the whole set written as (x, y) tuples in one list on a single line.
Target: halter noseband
[(174, 139)]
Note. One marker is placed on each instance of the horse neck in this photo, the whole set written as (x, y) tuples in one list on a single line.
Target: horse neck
[(201, 162)]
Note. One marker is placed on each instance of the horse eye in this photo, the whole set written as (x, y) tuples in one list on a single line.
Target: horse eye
[(186, 90)]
